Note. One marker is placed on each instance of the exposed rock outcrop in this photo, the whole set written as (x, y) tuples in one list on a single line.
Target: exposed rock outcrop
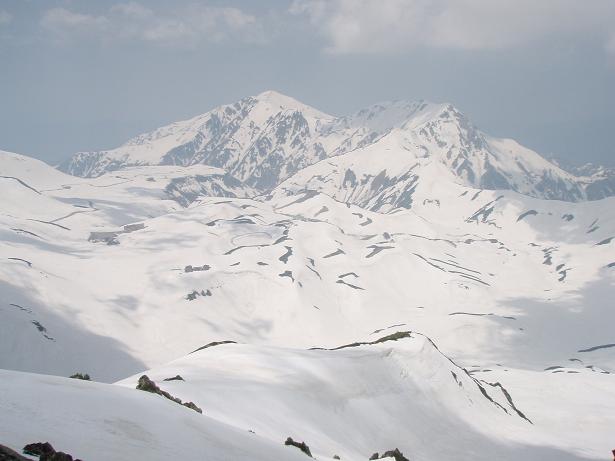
[(395, 454), (300, 445), (147, 385)]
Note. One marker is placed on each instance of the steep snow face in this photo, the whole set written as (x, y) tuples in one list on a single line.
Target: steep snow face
[(263, 140)]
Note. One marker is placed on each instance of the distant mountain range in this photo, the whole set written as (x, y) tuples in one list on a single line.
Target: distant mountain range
[(264, 140)]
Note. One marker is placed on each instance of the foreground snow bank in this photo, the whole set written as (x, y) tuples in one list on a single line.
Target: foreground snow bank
[(96, 421), (399, 391)]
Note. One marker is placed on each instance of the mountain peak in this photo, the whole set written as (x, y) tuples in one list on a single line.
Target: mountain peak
[(278, 101), (276, 97)]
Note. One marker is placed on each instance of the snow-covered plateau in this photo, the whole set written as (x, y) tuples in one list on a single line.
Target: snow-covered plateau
[(391, 279)]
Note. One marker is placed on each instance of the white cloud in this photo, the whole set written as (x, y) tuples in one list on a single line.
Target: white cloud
[(610, 48), (222, 22), (134, 21), (5, 17), (388, 26), (134, 9), (63, 21)]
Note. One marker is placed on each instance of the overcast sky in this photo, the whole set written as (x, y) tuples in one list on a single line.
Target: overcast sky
[(87, 75)]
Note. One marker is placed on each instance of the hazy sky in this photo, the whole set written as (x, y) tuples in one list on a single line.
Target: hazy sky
[(87, 75)]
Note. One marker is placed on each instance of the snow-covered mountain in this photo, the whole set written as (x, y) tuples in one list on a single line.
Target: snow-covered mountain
[(599, 180), (258, 140), (265, 139), (413, 288)]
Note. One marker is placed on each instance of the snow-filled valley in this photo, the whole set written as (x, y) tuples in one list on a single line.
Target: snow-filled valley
[(391, 279)]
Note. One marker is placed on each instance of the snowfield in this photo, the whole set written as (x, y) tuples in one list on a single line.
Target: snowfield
[(393, 279)]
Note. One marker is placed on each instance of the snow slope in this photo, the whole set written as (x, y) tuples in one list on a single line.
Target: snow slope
[(302, 270), (400, 393), (130, 271)]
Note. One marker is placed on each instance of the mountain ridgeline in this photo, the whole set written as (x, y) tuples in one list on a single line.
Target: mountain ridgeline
[(385, 150)]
